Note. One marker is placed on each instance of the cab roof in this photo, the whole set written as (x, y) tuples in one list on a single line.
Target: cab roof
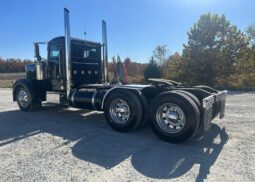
[(77, 40)]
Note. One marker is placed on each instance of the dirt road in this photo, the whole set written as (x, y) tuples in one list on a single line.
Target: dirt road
[(78, 145)]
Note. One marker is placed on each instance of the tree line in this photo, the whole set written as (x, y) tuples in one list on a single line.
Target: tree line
[(13, 65), (216, 54)]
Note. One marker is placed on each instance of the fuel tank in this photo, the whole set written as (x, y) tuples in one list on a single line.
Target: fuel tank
[(86, 99)]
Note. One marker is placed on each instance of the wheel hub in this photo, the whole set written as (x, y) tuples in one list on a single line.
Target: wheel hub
[(119, 111), (170, 118), (22, 98)]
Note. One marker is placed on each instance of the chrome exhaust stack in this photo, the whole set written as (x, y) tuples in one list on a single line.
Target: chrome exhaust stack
[(105, 55), (67, 52)]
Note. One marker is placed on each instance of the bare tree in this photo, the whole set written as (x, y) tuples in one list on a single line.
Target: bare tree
[(161, 54)]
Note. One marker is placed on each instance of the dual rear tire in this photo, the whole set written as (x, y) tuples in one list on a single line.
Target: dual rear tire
[(174, 115)]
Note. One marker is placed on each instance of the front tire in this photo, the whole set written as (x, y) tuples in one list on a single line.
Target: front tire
[(24, 99), (123, 110), (174, 116)]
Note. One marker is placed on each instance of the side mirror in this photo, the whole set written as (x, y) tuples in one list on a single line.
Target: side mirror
[(37, 52)]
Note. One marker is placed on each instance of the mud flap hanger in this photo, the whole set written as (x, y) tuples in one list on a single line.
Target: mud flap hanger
[(208, 108)]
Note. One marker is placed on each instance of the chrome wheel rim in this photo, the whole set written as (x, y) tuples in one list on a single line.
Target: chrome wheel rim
[(22, 98), (119, 111), (170, 118)]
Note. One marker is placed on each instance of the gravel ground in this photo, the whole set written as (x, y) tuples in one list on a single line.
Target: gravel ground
[(78, 145)]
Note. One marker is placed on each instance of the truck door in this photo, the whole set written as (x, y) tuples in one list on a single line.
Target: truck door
[(54, 57)]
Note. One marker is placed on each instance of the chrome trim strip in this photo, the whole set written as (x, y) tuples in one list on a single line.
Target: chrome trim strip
[(84, 63), (93, 100), (72, 98)]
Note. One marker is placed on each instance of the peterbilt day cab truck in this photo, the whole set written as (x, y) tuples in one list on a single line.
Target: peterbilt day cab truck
[(75, 74)]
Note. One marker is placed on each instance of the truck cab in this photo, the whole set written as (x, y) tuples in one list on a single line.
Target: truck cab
[(86, 63)]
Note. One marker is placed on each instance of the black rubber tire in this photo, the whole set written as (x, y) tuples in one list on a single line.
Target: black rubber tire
[(135, 106), (190, 110), (146, 111), (198, 103), (192, 96), (32, 105)]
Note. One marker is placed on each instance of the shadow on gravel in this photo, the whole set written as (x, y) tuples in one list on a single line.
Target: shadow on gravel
[(95, 142)]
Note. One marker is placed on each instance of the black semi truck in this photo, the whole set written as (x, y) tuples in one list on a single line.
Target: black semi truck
[(75, 74)]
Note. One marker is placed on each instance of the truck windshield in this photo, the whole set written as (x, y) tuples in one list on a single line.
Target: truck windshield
[(54, 52)]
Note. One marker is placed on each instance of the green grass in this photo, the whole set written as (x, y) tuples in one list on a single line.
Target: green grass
[(6, 83), (6, 79)]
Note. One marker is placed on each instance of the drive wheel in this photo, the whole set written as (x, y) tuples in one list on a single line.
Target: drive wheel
[(24, 99), (175, 117), (123, 110), (196, 100)]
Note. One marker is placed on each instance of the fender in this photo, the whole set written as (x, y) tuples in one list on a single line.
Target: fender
[(198, 92), (25, 83), (136, 88)]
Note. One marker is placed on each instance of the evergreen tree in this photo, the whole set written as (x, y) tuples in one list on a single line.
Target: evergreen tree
[(214, 47), (152, 70)]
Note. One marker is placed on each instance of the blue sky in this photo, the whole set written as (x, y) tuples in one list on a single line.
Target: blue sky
[(135, 27)]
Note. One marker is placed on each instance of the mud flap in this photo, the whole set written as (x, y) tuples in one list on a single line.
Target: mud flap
[(222, 99), (208, 109), (222, 108), (208, 113), (207, 120)]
